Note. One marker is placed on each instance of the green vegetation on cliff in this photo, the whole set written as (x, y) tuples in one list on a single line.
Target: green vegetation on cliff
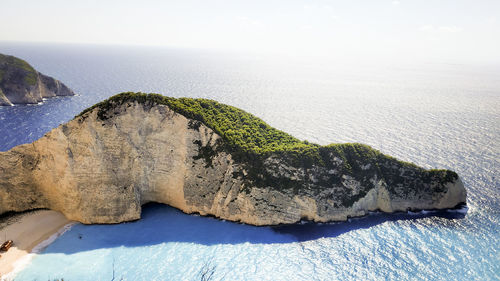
[(250, 140), (17, 66), (240, 129)]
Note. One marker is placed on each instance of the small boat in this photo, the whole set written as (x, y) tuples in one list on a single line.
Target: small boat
[(6, 245)]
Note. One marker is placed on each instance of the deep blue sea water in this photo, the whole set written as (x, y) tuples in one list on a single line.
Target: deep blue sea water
[(436, 115)]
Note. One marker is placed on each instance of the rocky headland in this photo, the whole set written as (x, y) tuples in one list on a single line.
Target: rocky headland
[(209, 158), (20, 83)]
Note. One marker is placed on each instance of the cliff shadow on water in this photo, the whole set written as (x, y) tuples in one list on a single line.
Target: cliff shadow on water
[(161, 224), (309, 230)]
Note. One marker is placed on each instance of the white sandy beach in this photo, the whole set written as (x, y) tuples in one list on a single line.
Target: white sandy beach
[(27, 232)]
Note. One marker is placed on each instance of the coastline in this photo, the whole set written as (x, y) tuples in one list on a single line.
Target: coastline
[(31, 232)]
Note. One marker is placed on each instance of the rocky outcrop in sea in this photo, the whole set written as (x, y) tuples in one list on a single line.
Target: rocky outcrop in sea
[(20, 83), (204, 157)]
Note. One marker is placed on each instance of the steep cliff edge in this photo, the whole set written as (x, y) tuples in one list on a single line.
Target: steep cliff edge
[(20, 83), (205, 157)]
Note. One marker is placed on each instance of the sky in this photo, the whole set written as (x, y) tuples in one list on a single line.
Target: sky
[(454, 30)]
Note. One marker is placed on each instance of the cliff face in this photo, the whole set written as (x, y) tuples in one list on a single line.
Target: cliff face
[(21, 84), (103, 165)]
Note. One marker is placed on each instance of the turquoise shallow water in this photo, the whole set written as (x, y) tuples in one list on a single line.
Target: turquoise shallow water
[(169, 245), (435, 115)]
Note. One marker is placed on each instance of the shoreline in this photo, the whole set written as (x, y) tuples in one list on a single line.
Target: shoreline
[(31, 232)]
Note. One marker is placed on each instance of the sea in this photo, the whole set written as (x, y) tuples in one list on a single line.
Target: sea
[(436, 114)]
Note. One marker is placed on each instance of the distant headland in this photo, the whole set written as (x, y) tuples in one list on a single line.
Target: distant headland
[(20, 83)]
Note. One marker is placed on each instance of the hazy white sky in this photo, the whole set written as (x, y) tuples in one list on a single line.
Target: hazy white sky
[(458, 30)]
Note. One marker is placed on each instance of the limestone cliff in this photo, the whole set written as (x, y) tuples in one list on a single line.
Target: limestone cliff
[(20, 83), (102, 166)]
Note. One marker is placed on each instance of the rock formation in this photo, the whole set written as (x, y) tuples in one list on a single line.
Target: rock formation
[(103, 165), (20, 83)]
